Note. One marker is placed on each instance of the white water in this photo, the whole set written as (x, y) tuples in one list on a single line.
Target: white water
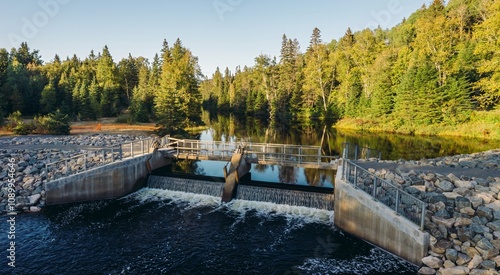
[(245, 192), (240, 207), (284, 196)]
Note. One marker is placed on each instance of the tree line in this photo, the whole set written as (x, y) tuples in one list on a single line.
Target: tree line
[(165, 90), (435, 67)]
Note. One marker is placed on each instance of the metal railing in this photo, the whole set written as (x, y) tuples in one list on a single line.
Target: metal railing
[(92, 159), (403, 203), (355, 152), (264, 152)]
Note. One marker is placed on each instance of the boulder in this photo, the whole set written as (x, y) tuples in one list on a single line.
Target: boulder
[(33, 199), (476, 202), (494, 205), (432, 262), (487, 198), (426, 271), (441, 246), (462, 259), (448, 223), (448, 264), (488, 265), (444, 185), (468, 211), (495, 225), (457, 270), (464, 184), (463, 222), (485, 212), (462, 202), (475, 262), (451, 254)]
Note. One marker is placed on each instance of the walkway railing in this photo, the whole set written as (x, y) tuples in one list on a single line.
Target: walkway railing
[(92, 159), (401, 202), (262, 152), (355, 152)]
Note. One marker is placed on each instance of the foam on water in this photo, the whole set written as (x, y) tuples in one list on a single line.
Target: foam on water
[(266, 209), (241, 207), (193, 200), (376, 261)]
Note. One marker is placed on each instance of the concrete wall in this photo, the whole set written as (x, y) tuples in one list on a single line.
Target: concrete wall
[(359, 214), (110, 181)]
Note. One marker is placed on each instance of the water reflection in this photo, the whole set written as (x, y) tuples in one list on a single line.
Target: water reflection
[(393, 146)]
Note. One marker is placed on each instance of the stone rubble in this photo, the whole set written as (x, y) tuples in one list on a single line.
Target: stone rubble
[(30, 174), (463, 214)]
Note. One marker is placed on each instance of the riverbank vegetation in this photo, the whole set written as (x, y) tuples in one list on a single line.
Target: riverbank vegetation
[(434, 73)]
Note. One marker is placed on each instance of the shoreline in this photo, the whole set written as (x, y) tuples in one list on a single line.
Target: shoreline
[(486, 131)]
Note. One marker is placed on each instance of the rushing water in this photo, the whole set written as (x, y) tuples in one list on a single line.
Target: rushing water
[(156, 231)]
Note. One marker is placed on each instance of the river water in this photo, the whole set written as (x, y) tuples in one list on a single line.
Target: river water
[(155, 231)]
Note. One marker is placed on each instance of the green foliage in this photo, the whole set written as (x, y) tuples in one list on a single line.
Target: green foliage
[(13, 120), (124, 118), (434, 69), (24, 128), (55, 123)]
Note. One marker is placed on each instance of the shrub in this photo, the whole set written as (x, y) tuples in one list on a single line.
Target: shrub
[(55, 123), (24, 128), (14, 120), (124, 118)]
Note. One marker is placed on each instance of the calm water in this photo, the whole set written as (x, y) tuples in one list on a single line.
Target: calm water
[(393, 146), (157, 231)]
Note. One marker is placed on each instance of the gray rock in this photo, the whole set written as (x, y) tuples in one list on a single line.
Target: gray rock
[(488, 265), (432, 262), (478, 228), (476, 202), (426, 271), (445, 185), (465, 234), (475, 262), (457, 270), (485, 212), (482, 182), (487, 249), (496, 260), (468, 211), (448, 264), (33, 199), (436, 197), (495, 225), (487, 198), (451, 196), (442, 214), (448, 223), (441, 246), (462, 202), (494, 205), (452, 178), (451, 254), (479, 220), (464, 184), (463, 222)]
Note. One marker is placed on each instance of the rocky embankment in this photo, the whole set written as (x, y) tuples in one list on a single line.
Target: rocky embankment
[(29, 155), (463, 213)]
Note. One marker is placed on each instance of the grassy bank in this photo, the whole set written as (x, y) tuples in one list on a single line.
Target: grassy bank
[(484, 125)]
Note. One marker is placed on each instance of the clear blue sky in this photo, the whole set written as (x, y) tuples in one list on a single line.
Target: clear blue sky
[(220, 32)]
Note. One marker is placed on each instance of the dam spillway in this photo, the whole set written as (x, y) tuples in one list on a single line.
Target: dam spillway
[(278, 193)]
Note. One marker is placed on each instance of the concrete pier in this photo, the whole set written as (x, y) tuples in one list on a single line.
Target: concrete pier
[(105, 182), (357, 213)]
